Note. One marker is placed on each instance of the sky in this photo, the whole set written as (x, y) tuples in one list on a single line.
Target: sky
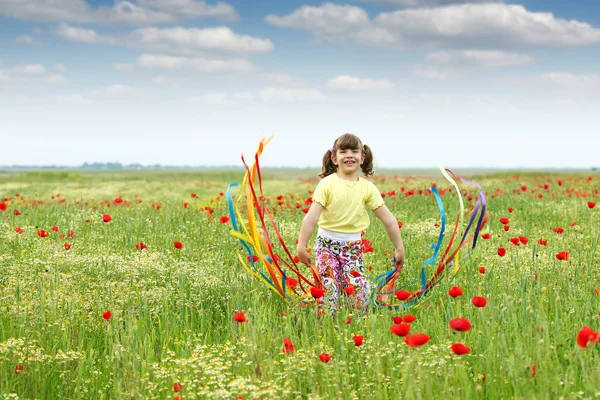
[(465, 84)]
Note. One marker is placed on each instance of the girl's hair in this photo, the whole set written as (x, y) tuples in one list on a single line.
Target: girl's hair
[(345, 142)]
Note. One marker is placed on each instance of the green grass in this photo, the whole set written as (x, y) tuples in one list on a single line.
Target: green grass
[(172, 309)]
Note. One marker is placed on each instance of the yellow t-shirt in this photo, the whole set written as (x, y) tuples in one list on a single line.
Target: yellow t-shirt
[(344, 203)]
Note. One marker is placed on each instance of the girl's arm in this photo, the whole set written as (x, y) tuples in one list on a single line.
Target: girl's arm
[(309, 224), (391, 227)]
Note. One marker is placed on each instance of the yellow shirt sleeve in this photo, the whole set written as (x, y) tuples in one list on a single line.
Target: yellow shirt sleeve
[(374, 199), (322, 193)]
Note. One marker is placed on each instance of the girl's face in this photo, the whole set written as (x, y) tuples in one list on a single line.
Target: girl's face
[(348, 160)]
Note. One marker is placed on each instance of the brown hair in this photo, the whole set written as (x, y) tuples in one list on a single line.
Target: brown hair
[(345, 142)]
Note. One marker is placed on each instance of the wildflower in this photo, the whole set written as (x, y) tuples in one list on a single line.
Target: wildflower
[(563, 255), (106, 218), (140, 246), (224, 219), (42, 233), (460, 349), (543, 242), (416, 340), (239, 317), (515, 241), (504, 221), (558, 230), (402, 294), (408, 318), (291, 283), (486, 236), (397, 320), (296, 259), (506, 228), (366, 246), (586, 335), (67, 246), (17, 212), (358, 340), (479, 301), (591, 204), (349, 290), (193, 195), (533, 370), (178, 245), (316, 292), (460, 324), (400, 329), (510, 209), (455, 291), (523, 239), (400, 223), (177, 387), (288, 346), (19, 368), (19, 231), (3, 207), (348, 320), (106, 315), (325, 357), (501, 251), (482, 270)]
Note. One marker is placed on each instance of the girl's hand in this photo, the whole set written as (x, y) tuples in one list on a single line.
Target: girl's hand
[(399, 258), (303, 256)]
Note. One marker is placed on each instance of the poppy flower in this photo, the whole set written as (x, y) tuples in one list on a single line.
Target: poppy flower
[(348, 320), (296, 259), (563, 255), (479, 301), (19, 231), (523, 239), (460, 324), (140, 246), (355, 274), (224, 219), (558, 230), (2, 206), (366, 246), (177, 387), (504, 221), (254, 258), (178, 245), (533, 370), (349, 290), (400, 329), (358, 340), (543, 242), (591, 204), (460, 349), (67, 246), (325, 357), (510, 209), (523, 188), (177, 398), (455, 291), (416, 340), (402, 294), (316, 292), (17, 212), (400, 223), (291, 283), (239, 317), (515, 241), (486, 236), (586, 335), (506, 228), (193, 195), (62, 236), (482, 270), (106, 315), (42, 233), (106, 218), (408, 318), (288, 346), (397, 320), (501, 251), (19, 368)]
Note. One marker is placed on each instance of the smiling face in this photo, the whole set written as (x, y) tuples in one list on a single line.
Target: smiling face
[(348, 160)]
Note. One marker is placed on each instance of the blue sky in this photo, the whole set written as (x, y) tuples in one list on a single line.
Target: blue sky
[(512, 84)]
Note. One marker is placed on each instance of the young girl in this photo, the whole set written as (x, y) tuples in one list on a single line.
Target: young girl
[(338, 207)]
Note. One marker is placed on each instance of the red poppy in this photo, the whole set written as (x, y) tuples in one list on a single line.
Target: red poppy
[(291, 283), (479, 301), (400, 329), (19, 231), (67, 246), (2, 206), (402, 294), (416, 340), (62, 236), (523, 188), (18, 368), (348, 320), (178, 245), (106, 315), (558, 230), (460, 324), (510, 209), (501, 251), (288, 346), (224, 219), (400, 223), (533, 370), (316, 292), (177, 398), (140, 246), (254, 258), (358, 340), (325, 357), (296, 259), (455, 291), (523, 239), (193, 195), (366, 246), (349, 290), (177, 387), (504, 221), (543, 242), (563, 255), (482, 270), (106, 218), (506, 228), (408, 318), (42, 233), (486, 236), (586, 335), (239, 317), (515, 241), (591, 204), (460, 349), (355, 274)]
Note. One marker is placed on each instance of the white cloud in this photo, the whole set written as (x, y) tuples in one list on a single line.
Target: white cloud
[(166, 62), (74, 99), (142, 12), (427, 3), (59, 68), (24, 39), (570, 81), (290, 95), (120, 90), (124, 67), (433, 73), (488, 26), (76, 34), (30, 75), (346, 82), (492, 58)]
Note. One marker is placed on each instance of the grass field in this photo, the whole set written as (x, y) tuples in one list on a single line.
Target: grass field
[(87, 311)]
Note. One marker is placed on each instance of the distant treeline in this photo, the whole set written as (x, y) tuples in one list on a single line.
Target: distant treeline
[(116, 165)]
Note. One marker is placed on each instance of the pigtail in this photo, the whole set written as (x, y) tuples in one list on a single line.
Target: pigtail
[(328, 166), (367, 165)]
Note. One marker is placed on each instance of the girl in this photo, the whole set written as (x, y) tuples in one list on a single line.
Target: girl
[(338, 207)]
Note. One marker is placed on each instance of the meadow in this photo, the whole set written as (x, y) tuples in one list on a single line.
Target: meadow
[(128, 285)]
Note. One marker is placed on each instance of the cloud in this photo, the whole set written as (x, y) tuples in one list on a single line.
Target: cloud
[(205, 65), (142, 12), (222, 98), (346, 82), (31, 75), (26, 39), (120, 90), (427, 3), (494, 26), (273, 94), (490, 58), (564, 82), (433, 73), (179, 40)]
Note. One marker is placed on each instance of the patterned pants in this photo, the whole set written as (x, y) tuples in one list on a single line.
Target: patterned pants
[(340, 265)]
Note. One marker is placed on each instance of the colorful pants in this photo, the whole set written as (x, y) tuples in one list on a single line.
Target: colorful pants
[(340, 265)]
